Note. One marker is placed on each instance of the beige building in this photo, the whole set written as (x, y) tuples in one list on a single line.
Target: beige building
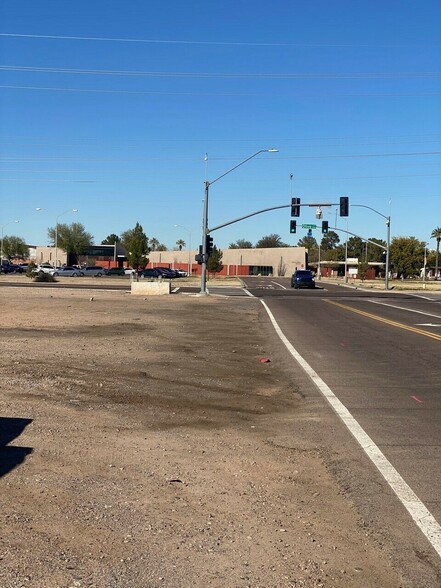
[(277, 261)]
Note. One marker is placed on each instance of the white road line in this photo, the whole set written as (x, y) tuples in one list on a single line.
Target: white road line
[(403, 308), (248, 292), (417, 510), (277, 284)]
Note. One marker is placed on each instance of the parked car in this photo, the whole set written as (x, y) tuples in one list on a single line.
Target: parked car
[(167, 272), (68, 271), (45, 268), (116, 271), (151, 273), (10, 268), (93, 270), (129, 271), (302, 279), (181, 273)]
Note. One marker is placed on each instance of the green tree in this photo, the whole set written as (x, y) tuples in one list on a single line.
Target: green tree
[(436, 234), (406, 256), (14, 248), (308, 242), (375, 253), (161, 247), (73, 239), (153, 244), (135, 243), (330, 241), (111, 239), (180, 244), (241, 244), (270, 241), (214, 263), (362, 270)]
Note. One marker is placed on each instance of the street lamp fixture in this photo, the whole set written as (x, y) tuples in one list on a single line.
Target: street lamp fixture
[(56, 232), (1, 248), (205, 230)]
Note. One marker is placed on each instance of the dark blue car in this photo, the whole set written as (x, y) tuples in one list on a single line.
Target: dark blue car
[(302, 279)]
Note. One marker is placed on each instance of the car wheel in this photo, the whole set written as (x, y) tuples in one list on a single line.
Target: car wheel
[(99, 274), (55, 274)]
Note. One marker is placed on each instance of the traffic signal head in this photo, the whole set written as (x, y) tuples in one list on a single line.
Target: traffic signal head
[(325, 227), (293, 226), (344, 206), (295, 206), (209, 245)]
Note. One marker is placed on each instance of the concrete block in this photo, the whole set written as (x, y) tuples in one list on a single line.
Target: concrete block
[(146, 288)]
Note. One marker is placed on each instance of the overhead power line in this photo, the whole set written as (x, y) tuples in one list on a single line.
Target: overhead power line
[(231, 94), (192, 42), (268, 76)]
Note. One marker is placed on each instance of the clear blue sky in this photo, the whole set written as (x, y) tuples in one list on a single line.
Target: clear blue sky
[(348, 91)]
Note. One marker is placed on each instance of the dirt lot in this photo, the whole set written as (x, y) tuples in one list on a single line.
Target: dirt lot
[(144, 444)]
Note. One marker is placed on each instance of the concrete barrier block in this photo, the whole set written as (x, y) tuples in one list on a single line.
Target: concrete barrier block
[(145, 288)]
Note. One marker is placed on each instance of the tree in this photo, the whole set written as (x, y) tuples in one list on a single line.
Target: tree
[(308, 242), (14, 247), (180, 243), (135, 243), (270, 241), (73, 239), (406, 256), (111, 239), (214, 263), (153, 244), (161, 247), (436, 234), (330, 241), (241, 244)]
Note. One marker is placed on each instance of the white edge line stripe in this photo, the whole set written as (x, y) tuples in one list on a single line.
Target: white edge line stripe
[(248, 293), (417, 510), (408, 309), (277, 284)]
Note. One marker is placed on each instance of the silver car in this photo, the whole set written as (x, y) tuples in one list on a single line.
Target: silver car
[(93, 270), (68, 271)]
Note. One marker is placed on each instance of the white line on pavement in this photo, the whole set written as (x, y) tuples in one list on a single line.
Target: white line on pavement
[(277, 284), (417, 510), (403, 308)]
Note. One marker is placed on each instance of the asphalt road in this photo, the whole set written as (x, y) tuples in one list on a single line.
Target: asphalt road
[(380, 354)]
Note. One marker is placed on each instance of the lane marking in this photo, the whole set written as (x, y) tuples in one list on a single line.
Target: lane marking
[(417, 399), (428, 324), (277, 284), (403, 308), (386, 321), (248, 293), (417, 510)]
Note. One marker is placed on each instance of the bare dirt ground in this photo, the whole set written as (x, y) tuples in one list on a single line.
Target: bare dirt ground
[(144, 444)]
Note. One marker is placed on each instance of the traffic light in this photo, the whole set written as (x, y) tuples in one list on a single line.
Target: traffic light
[(209, 245), (344, 206), (295, 206), (198, 257), (325, 227), (293, 226)]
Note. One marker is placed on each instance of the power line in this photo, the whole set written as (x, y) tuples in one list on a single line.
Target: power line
[(231, 94), (223, 75), (219, 43)]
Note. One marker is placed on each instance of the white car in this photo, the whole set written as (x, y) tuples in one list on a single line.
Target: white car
[(44, 268)]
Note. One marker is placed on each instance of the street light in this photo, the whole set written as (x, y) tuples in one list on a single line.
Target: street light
[(56, 232), (189, 246), (386, 276), (205, 215), (3, 226)]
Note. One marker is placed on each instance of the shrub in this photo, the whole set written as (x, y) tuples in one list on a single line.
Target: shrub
[(43, 277)]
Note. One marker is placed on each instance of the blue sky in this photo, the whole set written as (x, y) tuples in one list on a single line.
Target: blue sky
[(110, 108)]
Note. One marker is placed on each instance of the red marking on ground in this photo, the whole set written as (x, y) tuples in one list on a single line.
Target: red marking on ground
[(417, 399)]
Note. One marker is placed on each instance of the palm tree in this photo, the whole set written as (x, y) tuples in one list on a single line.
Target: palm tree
[(436, 234), (180, 243)]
